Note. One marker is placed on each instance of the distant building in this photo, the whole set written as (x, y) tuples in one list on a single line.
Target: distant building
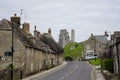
[(94, 46), (64, 38), (72, 36)]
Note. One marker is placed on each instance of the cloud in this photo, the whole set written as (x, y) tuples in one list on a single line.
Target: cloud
[(85, 16)]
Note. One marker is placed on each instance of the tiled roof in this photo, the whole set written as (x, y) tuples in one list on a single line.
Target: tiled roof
[(26, 41)]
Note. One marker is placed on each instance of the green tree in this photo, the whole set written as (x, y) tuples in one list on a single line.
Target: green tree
[(73, 50)]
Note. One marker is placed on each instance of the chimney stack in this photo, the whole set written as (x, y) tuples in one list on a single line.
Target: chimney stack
[(38, 34), (49, 30), (35, 32), (26, 27), (92, 34), (16, 20)]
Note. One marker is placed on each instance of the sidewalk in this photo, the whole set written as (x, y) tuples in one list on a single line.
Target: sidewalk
[(44, 73), (98, 74)]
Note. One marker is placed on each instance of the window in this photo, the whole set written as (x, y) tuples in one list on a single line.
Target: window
[(89, 54), (99, 46), (31, 66), (87, 46)]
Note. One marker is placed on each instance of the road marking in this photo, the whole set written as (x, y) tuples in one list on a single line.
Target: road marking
[(62, 78), (69, 73)]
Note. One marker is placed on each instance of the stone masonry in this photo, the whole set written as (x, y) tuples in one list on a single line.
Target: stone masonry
[(31, 53)]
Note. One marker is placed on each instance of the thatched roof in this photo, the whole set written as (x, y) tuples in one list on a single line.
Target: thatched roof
[(26, 39), (53, 45)]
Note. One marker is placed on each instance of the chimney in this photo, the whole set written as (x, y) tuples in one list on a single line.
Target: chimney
[(35, 32), (15, 19), (49, 30), (26, 27), (106, 34), (92, 34), (38, 34)]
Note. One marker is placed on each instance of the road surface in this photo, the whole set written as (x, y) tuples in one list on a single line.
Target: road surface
[(73, 70)]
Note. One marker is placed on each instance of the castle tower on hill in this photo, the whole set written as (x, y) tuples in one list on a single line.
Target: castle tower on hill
[(64, 38), (72, 36)]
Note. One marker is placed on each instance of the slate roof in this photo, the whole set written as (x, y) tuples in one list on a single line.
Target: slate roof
[(101, 38)]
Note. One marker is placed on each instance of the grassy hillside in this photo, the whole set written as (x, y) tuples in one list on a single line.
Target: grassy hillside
[(73, 51)]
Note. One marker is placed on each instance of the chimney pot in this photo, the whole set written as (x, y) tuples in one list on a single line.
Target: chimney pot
[(35, 27), (106, 34), (15, 14), (91, 34)]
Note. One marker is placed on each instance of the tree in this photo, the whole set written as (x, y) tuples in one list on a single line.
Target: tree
[(73, 51)]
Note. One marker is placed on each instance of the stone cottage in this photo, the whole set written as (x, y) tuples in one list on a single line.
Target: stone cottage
[(31, 53), (94, 46)]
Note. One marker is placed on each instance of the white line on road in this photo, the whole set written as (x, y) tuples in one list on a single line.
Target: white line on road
[(62, 78), (69, 73)]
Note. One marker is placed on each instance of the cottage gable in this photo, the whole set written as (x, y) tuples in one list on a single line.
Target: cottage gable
[(94, 45)]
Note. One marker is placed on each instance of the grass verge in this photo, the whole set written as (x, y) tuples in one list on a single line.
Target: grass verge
[(94, 62)]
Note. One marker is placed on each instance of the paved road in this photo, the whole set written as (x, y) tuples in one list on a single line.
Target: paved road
[(74, 70)]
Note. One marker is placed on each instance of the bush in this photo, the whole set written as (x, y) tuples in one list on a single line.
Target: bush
[(108, 65)]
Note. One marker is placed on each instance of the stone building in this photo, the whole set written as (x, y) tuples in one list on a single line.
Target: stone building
[(64, 38), (115, 47), (94, 46), (31, 53)]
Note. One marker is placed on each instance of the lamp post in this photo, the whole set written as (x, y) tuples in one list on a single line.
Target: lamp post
[(12, 50), (95, 56)]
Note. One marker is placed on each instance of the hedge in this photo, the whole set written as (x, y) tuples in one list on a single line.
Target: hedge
[(108, 65)]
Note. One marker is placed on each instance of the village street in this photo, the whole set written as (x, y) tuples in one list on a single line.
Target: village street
[(73, 70)]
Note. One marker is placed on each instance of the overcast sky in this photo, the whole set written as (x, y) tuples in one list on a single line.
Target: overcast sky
[(84, 16)]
